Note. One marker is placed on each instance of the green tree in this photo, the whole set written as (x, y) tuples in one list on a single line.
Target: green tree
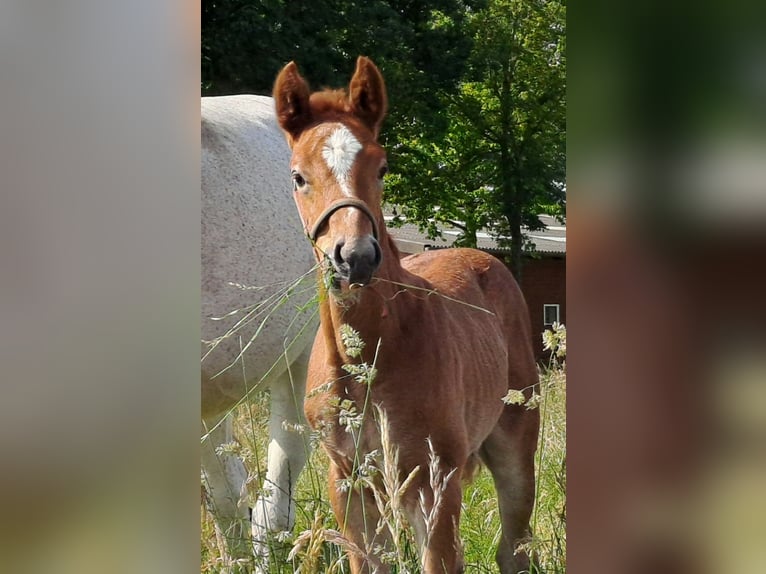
[(420, 47), (501, 160)]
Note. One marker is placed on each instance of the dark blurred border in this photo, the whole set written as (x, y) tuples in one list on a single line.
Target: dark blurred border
[(666, 287), (99, 286)]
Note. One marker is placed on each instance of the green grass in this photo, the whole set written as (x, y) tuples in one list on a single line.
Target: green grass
[(480, 526)]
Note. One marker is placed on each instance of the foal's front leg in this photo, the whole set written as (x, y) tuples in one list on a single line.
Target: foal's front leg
[(358, 518), (437, 529)]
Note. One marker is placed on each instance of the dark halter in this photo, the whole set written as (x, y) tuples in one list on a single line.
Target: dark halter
[(339, 204)]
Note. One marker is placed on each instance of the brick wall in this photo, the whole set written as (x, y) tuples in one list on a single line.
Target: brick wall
[(543, 282)]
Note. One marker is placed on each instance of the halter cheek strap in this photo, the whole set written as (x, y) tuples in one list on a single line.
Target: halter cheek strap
[(340, 204)]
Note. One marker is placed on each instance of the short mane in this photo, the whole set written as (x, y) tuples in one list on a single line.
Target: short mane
[(330, 100)]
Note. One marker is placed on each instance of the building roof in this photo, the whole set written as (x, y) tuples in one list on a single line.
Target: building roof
[(550, 241)]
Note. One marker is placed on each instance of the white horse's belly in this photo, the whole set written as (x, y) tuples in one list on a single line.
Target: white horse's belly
[(251, 237)]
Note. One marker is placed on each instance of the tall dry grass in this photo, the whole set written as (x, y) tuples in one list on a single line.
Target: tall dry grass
[(317, 545)]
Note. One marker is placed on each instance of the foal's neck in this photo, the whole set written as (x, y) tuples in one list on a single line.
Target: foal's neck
[(375, 311)]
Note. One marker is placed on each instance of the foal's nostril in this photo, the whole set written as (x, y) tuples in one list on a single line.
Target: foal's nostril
[(337, 254), (378, 253)]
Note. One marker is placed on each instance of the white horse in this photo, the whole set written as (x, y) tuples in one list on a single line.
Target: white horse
[(251, 237)]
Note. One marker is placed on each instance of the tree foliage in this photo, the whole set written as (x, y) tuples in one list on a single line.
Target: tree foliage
[(420, 47), (501, 161)]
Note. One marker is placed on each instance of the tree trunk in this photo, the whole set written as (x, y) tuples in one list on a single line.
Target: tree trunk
[(510, 192), (517, 244), (471, 228)]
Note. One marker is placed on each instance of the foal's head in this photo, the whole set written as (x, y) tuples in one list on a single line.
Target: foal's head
[(337, 166)]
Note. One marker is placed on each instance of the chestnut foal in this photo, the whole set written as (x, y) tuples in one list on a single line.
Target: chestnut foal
[(448, 331)]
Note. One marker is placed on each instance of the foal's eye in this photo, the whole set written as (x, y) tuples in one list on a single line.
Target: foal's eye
[(383, 171), (298, 180)]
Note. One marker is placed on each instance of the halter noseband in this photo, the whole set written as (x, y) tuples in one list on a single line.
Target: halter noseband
[(339, 204)]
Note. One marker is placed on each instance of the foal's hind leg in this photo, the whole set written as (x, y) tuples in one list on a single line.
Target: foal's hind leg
[(225, 477), (274, 511), (509, 453)]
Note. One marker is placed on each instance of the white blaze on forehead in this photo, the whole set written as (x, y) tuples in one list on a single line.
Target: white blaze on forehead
[(339, 151)]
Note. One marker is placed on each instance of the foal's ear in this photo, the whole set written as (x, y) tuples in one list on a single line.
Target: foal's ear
[(291, 97), (367, 94)]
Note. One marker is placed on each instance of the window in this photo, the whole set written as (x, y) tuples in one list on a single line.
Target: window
[(550, 314)]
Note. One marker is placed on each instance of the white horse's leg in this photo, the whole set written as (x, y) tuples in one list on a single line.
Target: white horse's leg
[(225, 477), (274, 510)]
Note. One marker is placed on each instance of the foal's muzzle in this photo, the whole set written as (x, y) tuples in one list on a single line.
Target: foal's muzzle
[(354, 259)]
